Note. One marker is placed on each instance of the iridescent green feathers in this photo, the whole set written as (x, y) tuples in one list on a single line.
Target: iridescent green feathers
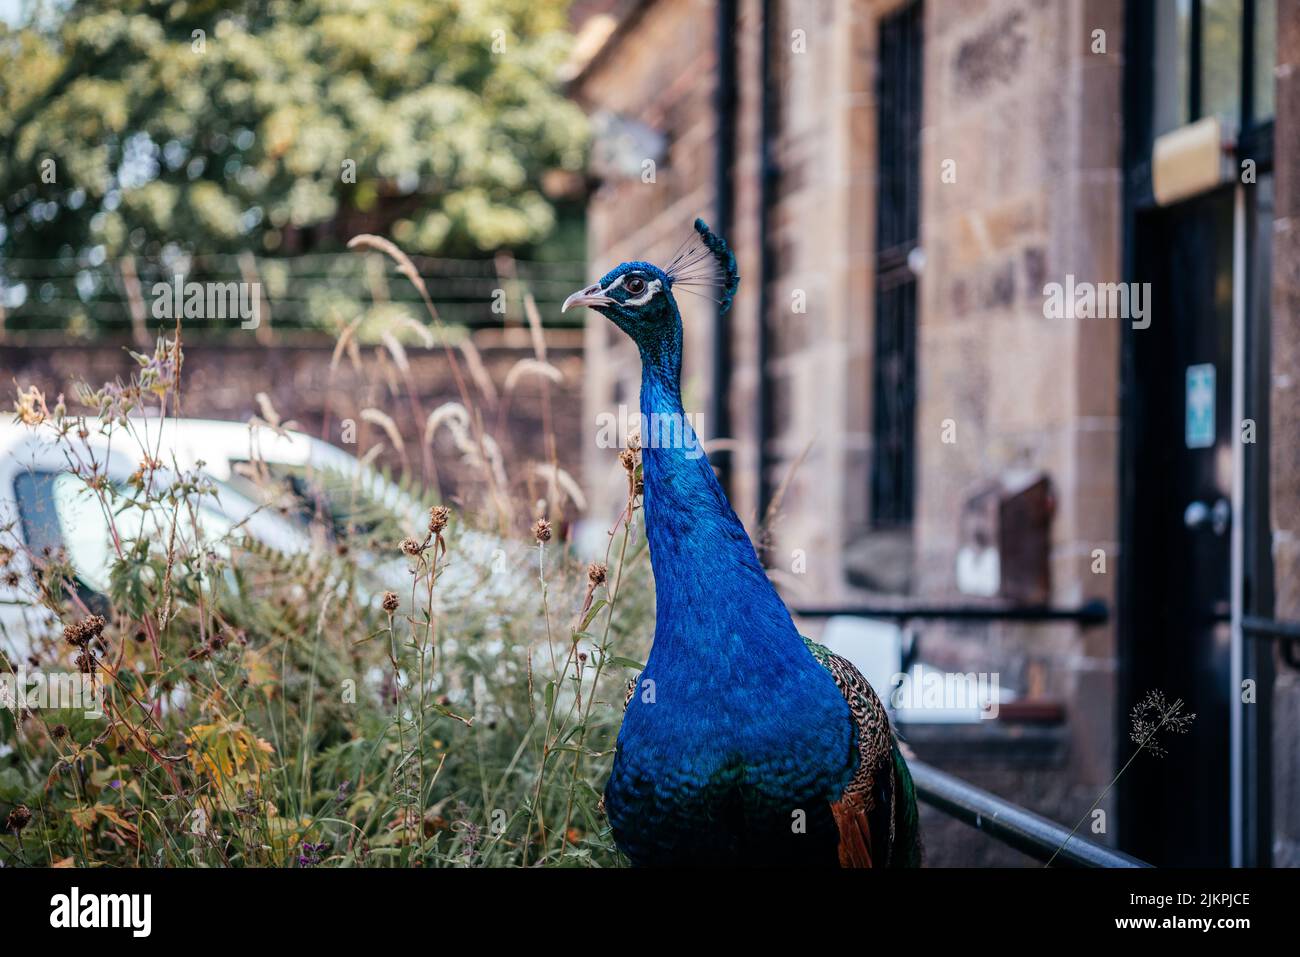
[(880, 800), (907, 825), (705, 266)]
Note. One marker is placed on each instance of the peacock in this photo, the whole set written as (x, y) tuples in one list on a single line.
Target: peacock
[(743, 743)]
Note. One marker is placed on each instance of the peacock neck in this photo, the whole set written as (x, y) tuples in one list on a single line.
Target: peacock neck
[(707, 574)]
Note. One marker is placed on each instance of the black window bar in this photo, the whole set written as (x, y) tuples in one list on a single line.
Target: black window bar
[(898, 93)]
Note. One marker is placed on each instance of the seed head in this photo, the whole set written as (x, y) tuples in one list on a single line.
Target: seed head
[(59, 731), (18, 819), (391, 601), (439, 515), (411, 547), (542, 530), (81, 633), (634, 440), (1152, 716), (628, 458), (596, 573)]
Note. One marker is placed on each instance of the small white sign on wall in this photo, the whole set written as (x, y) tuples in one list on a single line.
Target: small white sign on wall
[(978, 571), (1198, 427)]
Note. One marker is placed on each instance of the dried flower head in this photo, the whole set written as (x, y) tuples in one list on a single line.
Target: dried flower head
[(411, 547), (59, 731), (628, 458), (439, 515), (596, 573), (18, 819), (83, 632), (86, 662), (391, 601), (29, 409), (542, 530), (1151, 716), (634, 440)]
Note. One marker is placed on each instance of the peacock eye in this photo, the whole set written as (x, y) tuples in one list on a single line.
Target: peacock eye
[(635, 285)]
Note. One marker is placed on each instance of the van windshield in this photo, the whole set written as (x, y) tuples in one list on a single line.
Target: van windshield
[(344, 498), (60, 511)]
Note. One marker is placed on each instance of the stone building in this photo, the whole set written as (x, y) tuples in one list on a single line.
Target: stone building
[(1017, 328)]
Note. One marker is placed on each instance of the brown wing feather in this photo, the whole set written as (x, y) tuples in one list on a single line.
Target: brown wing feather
[(864, 814), (855, 833)]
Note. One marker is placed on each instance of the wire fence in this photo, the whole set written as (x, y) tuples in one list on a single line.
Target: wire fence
[(103, 296)]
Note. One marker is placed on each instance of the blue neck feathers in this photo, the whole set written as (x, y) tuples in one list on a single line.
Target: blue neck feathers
[(708, 579)]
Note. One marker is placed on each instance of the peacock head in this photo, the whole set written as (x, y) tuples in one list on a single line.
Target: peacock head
[(638, 296)]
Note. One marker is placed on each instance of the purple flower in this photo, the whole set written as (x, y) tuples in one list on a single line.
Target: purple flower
[(309, 855)]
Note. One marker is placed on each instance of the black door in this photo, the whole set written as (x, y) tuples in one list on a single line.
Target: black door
[(1179, 439)]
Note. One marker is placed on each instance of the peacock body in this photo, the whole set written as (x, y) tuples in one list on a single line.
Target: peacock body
[(743, 743)]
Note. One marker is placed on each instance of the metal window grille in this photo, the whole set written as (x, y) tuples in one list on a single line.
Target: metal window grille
[(897, 232)]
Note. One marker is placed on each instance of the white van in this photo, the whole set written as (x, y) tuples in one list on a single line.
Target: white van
[(45, 508)]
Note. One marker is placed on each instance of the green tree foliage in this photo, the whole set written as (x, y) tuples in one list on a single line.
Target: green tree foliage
[(229, 126)]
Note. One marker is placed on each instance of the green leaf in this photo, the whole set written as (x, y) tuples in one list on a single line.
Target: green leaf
[(618, 662), (591, 613), (11, 786)]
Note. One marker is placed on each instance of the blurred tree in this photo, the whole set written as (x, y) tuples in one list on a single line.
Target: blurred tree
[(279, 126)]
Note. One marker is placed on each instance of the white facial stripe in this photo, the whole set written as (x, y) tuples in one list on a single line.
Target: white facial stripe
[(652, 287)]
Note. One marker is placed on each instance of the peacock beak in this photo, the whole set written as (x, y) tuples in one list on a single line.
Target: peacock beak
[(591, 296)]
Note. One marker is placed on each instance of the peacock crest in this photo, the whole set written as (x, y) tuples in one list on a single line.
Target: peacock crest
[(705, 266)]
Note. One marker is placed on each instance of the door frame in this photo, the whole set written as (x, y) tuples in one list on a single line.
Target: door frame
[(1251, 569)]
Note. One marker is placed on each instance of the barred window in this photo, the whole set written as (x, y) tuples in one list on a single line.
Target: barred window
[(898, 89)]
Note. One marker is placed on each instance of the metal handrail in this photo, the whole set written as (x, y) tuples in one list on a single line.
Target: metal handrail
[(1011, 824), (1285, 633), (1092, 612), (1271, 629)]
